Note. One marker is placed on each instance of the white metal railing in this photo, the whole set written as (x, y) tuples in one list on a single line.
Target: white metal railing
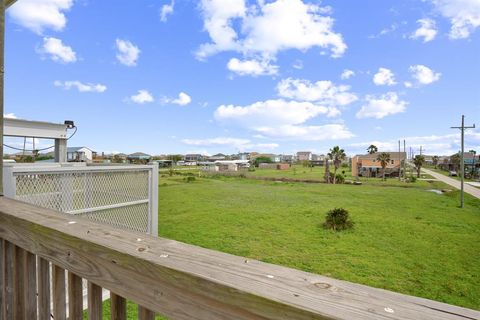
[(125, 196)]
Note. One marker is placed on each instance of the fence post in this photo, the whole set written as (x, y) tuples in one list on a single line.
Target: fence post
[(9, 182), (153, 199)]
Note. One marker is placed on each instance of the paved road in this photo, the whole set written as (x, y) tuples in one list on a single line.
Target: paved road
[(454, 183)]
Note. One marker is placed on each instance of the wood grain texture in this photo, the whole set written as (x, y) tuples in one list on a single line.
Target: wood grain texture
[(43, 267), (59, 298), (145, 314), (19, 284), (94, 302), (75, 297), (118, 307), (8, 280), (187, 282), (30, 286)]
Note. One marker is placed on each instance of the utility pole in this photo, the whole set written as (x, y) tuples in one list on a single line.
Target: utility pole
[(462, 161)]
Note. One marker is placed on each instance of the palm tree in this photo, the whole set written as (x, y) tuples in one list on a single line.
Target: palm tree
[(337, 155), (384, 159), (418, 161), (435, 161), (455, 161), (372, 149)]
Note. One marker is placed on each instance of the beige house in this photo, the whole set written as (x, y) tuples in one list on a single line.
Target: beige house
[(367, 165)]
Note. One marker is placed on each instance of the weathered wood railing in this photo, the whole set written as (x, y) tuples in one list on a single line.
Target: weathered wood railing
[(164, 276)]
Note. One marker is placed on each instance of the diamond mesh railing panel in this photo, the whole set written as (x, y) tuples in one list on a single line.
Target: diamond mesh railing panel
[(117, 197)]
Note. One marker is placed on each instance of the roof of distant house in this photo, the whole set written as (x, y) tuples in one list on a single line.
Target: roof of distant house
[(138, 154), (393, 155), (75, 149)]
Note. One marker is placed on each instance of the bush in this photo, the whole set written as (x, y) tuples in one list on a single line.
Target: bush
[(338, 219), (412, 179), (339, 178), (251, 169), (190, 179)]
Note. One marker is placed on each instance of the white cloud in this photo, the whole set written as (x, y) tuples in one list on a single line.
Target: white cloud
[(266, 28), (427, 30), (237, 143), (424, 75), (464, 16), (384, 77), (283, 119), (81, 87), (57, 51), (381, 106), (166, 10), (408, 84), (38, 15), (182, 100), (270, 113), (347, 74), (9, 116), (143, 96), (298, 64), (252, 67), (127, 52), (308, 133), (323, 92)]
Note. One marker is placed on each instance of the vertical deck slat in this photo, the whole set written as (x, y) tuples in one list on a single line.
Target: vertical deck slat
[(19, 284), (8, 249), (118, 306), (145, 314), (2, 259), (58, 275), (75, 297), (30, 286), (43, 289), (94, 302)]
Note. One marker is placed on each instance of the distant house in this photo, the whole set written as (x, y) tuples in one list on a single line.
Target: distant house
[(470, 161), (367, 165), (287, 158), (304, 156), (194, 158), (139, 157), (318, 160), (243, 156), (80, 154), (218, 156)]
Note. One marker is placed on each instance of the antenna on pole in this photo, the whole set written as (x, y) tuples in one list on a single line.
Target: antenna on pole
[(462, 161)]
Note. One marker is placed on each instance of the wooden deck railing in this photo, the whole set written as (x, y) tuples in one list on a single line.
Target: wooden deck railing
[(177, 280)]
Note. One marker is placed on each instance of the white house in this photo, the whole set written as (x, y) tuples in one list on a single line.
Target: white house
[(80, 154)]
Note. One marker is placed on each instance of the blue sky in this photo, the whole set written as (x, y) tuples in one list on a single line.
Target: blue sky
[(234, 75)]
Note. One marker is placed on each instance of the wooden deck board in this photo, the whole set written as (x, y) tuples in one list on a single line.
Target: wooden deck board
[(187, 282)]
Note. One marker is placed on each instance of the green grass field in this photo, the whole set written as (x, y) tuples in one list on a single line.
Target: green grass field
[(405, 239)]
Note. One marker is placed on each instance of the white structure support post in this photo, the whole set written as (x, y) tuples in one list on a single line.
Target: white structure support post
[(60, 150)]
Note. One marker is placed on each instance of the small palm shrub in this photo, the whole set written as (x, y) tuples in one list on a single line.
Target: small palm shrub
[(338, 219), (340, 178)]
